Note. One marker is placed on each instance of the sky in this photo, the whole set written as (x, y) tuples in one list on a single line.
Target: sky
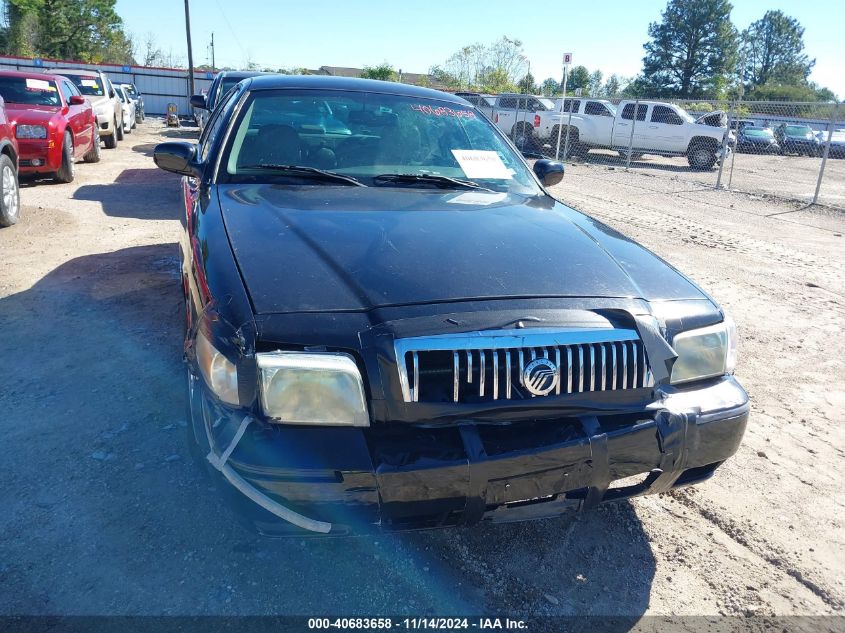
[(414, 35)]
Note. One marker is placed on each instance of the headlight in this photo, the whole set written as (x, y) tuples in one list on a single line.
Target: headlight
[(31, 131), (219, 372), (705, 352), (312, 388)]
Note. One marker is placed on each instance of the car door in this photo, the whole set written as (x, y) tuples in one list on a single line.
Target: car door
[(600, 126), (625, 125), (75, 115), (665, 130)]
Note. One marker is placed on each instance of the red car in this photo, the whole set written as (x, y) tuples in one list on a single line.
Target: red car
[(10, 201), (54, 124)]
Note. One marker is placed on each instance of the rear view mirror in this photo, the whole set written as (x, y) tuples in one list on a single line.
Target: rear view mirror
[(550, 172), (76, 100), (198, 101), (176, 157)]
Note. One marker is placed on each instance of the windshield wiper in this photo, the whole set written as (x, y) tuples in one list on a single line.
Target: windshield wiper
[(302, 170), (441, 181)]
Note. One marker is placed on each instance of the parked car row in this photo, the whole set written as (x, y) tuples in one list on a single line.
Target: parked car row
[(223, 82), (52, 119), (574, 126), (666, 129)]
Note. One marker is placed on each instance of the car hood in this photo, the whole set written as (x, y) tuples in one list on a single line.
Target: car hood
[(22, 113), (716, 118), (326, 248)]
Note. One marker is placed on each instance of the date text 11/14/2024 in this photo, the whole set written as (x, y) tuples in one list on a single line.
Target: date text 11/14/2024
[(433, 623)]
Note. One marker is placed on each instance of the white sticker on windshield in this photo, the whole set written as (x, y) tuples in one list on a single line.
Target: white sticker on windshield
[(89, 83), (38, 84), (477, 163)]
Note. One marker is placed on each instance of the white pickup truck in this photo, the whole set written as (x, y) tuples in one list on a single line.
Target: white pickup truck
[(664, 129)]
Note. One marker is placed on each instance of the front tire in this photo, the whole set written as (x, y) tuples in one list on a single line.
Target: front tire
[(701, 156), (93, 154), (10, 199), (66, 172), (118, 130), (111, 140)]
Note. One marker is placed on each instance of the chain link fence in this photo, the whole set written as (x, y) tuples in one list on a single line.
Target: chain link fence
[(786, 149)]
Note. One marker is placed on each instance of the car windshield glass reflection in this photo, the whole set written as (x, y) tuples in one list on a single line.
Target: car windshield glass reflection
[(367, 136), (90, 86), (29, 91)]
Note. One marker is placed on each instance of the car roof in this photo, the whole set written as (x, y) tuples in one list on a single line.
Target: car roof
[(241, 74), (322, 82), (73, 71), (30, 75)]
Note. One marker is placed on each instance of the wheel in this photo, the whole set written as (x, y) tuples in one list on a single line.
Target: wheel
[(523, 137), (10, 198), (111, 140), (66, 171), (118, 130), (575, 147), (93, 154), (701, 156), (143, 116)]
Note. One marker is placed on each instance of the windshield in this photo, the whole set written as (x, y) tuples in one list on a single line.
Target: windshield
[(122, 96), (550, 105), (758, 132), (29, 91), (366, 135), (130, 89), (798, 130), (91, 86)]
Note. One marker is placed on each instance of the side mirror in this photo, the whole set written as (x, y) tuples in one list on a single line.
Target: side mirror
[(176, 157), (550, 172), (76, 100), (198, 101)]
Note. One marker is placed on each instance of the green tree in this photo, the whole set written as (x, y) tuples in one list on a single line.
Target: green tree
[(594, 86), (773, 51), (613, 86), (494, 81), (383, 71), (691, 49), (790, 92), (579, 77), (87, 30), (526, 85), (550, 86), (483, 66)]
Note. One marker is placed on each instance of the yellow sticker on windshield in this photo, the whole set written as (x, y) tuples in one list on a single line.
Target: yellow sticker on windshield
[(477, 163)]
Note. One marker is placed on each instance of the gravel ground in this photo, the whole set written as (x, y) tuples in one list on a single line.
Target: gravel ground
[(788, 177), (103, 513)]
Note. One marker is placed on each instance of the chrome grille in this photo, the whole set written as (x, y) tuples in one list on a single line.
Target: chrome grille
[(482, 366)]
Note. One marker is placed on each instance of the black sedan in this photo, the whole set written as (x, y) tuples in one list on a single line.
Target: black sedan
[(399, 327), (797, 139), (757, 140)]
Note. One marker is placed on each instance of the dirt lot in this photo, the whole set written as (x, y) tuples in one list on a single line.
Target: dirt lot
[(788, 177), (103, 513)]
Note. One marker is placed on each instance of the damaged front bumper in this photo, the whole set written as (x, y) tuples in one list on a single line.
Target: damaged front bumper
[(404, 476)]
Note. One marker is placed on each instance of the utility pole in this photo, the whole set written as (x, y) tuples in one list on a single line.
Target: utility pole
[(190, 51), (212, 52)]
